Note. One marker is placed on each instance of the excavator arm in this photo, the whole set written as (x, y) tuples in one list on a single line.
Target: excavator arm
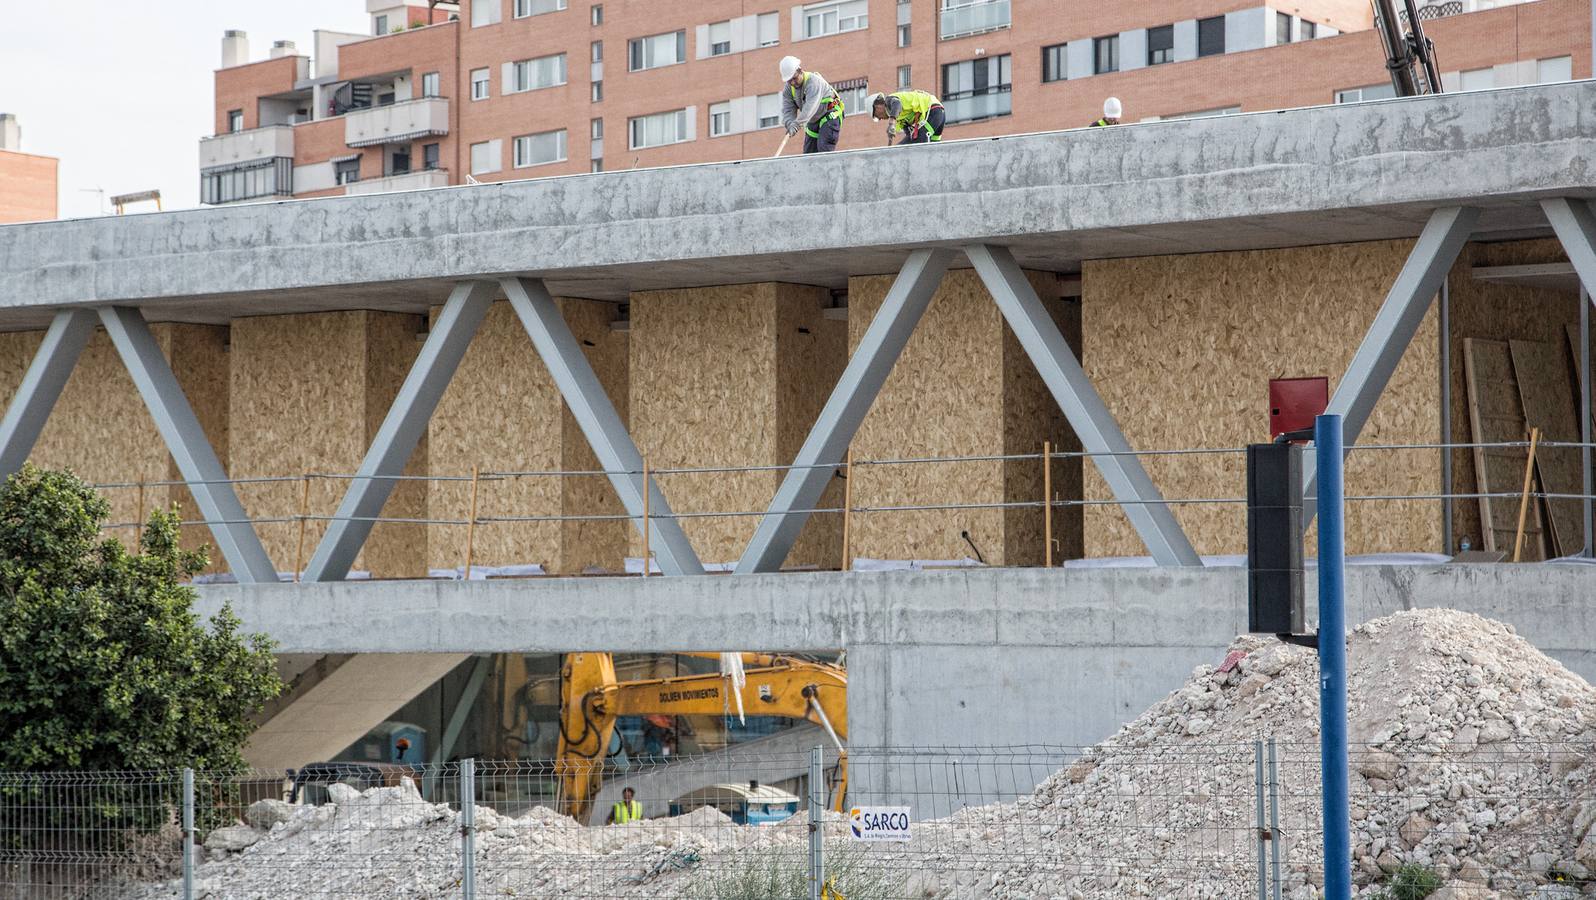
[(592, 700)]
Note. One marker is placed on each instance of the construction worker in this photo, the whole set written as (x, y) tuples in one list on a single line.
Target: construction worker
[(917, 114), (810, 103), (1111, 113), (628, 810)]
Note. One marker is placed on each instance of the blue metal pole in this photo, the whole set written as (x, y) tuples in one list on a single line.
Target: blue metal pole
[(1333, 660)]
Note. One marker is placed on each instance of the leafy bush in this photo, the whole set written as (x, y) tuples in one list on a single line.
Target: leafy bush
[(1411, 882)]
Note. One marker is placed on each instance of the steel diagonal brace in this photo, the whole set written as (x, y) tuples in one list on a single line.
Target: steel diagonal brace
[(1099, 433), (41, 387)]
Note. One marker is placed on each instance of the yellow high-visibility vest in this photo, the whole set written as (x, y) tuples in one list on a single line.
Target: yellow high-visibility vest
[(627, 812), (916, 105)]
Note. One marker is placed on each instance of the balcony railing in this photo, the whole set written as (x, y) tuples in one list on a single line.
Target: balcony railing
[(246, 146), (409, 181), (397, 123), (969, 107), (974, 18)]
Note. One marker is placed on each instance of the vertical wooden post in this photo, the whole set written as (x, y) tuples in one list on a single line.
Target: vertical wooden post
[(646, 492), (304, 514), (1523, 500), (138, 520), (1047, 504), (847, 512), (471, 524)]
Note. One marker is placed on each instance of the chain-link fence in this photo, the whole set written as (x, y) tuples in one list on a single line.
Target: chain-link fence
[(1182, 819)]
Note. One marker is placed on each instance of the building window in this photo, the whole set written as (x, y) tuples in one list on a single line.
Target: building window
[(597, 51), (524, 8), (1372, 92), (1054, 63), (535, 74), (596, 165), (429, 156), (965, 17), (1160, 45), (598, 91), (1309, 30), (596, 14), (768, 110), (977, 88), (660, 129), (235, 121), (485, 157), (266, 178), (835, 17), (346, 171), (769, 29), (539, 149), (1282, 28), (905, 78), (399, 162), (595, 129), (429, 84), (484, 12), (1211, 36), (853, 95), (720, 38), (1556, 68), (904, 36), (720, 123), (657, 50), (380, 25), (1477, 79), (1105, 53), (479, 84)]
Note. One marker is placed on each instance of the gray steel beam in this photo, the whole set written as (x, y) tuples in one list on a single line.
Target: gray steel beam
[(401, 430), (191, 450), (1394, 326), (1088, 416), (834, 428), (595, 414), (1575, 225), (69, 333)]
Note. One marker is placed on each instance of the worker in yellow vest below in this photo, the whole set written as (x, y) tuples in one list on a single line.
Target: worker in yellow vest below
[(628, 810), (810, 103), (916, 114)]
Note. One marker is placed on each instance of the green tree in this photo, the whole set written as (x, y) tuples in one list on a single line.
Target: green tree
[(103, 665)]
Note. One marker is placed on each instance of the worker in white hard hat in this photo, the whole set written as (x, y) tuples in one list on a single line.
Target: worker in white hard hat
[(810, 103), (917, 115), (1111, 113)]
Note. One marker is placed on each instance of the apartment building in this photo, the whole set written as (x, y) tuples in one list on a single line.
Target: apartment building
[(28, 191), (489, 90)]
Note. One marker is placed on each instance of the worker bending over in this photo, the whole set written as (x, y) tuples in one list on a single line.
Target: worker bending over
[(810, 100), (1111, 113), (917, 114), (628, 810)]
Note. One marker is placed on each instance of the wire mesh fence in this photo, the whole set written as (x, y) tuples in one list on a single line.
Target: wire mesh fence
[(1184, 819)]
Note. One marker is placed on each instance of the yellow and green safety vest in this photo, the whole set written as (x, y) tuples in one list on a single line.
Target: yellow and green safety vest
[(916, 105), (627, 812), (832, 105)]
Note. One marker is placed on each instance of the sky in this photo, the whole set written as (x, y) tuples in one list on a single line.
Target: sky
[(122, 92)]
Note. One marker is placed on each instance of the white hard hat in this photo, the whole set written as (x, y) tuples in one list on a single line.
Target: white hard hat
[(1111, 108), (789, 65), (870, 102)]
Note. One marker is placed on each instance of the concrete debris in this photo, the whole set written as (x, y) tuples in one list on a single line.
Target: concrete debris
[(1468, 751)]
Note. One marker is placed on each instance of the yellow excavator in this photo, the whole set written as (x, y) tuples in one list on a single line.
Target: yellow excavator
[(591, 699)]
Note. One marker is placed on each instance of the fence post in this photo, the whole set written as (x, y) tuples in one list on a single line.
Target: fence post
[(1260, 832), (188, 834), (1327, 438), (1274, 821), (817, 812), (468, 829)]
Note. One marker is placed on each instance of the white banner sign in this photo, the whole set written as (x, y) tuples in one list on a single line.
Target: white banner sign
[(879, 823)]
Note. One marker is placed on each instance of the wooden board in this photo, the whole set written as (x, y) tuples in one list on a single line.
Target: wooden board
[(1497, 415), (1542, 373)]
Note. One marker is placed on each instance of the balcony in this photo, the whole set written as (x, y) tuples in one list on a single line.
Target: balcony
[(241, 147), (410, 181), (966, 17), (969, 107), (397, 123)]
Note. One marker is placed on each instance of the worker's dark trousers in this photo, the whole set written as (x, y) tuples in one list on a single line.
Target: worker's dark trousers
[(830, 132), (934, 117)]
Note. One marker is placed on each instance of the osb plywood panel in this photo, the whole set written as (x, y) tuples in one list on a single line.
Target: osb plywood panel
[(596, 544), (704, 392), (1031, 417), (1182, 348), (1545, 386), (199, 359), (395, 550), (299, 406), (1495, 312), (942, 399), (1496, 415), (811, 352), (499, 414)]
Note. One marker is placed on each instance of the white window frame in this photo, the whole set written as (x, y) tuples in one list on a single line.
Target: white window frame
[(723, 31), (831, 17), (683, 129), (235, 121), (523, 8), (485, 82), (485, 12), (1355, 95), (521, 145), (678, 44), (489, 165), (774, 21), (1561, 62), (522, 70), (853, 99), (720, 119), (431, 84)]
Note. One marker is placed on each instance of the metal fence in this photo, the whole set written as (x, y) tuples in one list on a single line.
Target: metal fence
[(1179, 817)]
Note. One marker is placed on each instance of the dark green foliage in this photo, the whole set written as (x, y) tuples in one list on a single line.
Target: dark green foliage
[(1411, 882)]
